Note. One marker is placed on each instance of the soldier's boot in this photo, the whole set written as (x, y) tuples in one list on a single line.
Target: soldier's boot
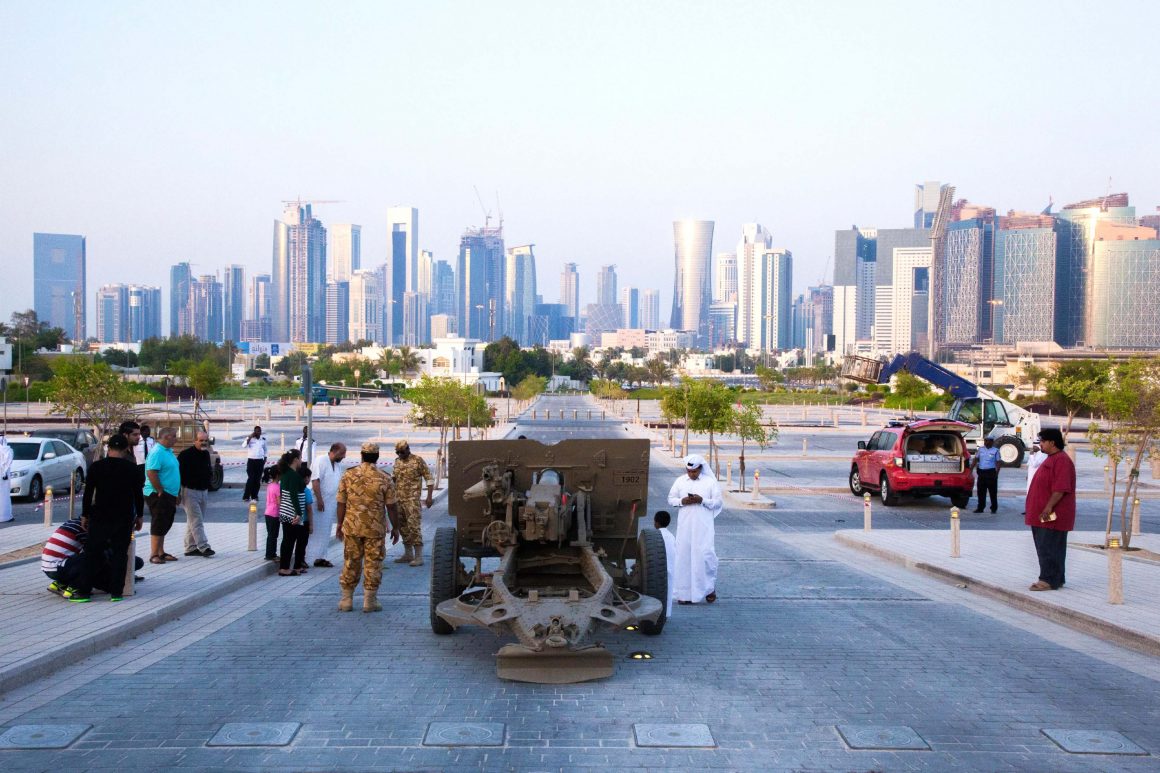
[(371, 602), (406, 557), (418, 559), (346, 602)]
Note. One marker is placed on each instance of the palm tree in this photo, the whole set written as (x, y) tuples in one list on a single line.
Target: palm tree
[(409, 361), (658, 371), (389, 362)]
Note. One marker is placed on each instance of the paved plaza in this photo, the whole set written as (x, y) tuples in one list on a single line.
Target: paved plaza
[(818, 656)]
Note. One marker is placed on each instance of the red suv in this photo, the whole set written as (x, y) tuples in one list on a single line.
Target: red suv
[(916, 459)]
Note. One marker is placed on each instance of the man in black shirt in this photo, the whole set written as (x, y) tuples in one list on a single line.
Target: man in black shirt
[(196, 475), (112, 506)]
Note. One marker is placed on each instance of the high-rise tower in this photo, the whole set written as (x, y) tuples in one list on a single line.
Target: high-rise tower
[(234, 305), (298, 300), (570, 290), (58, 279), (520, 291), (345, 254), (402, 266), (479, 283), (180, 277), (693, 284), (606, 286)]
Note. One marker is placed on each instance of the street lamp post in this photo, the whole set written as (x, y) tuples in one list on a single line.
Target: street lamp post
[(27, 408), (357, 375), (503, 389)]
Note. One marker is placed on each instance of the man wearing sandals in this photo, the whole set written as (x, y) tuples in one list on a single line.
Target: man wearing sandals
[(698, 495), (162, 488), (1050, 510)]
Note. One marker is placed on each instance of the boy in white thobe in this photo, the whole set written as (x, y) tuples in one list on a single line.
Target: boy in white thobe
[(661, 521), (698, 496)]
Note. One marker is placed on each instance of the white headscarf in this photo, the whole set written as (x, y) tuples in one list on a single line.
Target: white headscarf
[(692, 461)]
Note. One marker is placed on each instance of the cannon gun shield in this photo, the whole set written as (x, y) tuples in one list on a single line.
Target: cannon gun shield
[(563, 520)]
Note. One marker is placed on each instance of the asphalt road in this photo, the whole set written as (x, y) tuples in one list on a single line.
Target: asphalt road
[(807, 649)]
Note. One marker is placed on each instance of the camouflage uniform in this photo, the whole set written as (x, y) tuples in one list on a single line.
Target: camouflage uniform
[(366, 491), (409, 475)]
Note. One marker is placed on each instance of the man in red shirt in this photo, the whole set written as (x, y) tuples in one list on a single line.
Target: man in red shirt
[(1050, 510)]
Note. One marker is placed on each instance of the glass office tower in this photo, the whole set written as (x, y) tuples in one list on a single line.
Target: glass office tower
[(693, 285), (58, 279)]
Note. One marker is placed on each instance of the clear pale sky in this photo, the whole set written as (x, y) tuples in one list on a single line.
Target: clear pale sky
[(171, 131)]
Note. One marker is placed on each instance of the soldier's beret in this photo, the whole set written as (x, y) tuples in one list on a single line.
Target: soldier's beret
[(370, 448), (401, 445)]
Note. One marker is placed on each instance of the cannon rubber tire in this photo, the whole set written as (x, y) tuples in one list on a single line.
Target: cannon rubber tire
[(444, 571), (654, 575), (219, 476), (1002, 446)]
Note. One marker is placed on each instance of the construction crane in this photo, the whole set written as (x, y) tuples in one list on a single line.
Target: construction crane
[(485, 210), (300, 201)]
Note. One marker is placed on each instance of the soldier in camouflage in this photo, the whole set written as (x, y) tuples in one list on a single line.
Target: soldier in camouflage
[(366, 503), (410, 472)]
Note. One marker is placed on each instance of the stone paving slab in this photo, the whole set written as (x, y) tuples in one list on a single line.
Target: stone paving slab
[(39, 627), (1002, 564)]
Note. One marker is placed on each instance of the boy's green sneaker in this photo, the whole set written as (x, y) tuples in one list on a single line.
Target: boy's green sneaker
[(68, 593), (55, 587), (80, 599), (116, 598)]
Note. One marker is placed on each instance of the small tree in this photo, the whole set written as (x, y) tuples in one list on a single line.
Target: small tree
[(710, 410), (1033, 376), (658, 371), (1075, 387), (91, 393), (769, 378), (606, 389), (911, 387), (747, 425), (529, 388), (205, 378), (1131, 400)]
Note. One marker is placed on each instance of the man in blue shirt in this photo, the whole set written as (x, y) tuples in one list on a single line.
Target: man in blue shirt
[(986, 464), (162, 488)]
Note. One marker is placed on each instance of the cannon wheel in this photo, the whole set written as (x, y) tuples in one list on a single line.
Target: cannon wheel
[(444, 573), (654, 574)]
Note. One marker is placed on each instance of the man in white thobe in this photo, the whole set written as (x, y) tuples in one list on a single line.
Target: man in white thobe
[(327, 470), (6, 457), (1034, 459), (698, 496)]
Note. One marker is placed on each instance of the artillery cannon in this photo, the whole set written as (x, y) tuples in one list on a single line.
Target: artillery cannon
[(563, 521)]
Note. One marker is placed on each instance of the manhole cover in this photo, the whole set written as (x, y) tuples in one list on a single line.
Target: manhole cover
[(464, 734), (1093, 742), (673, 735), (255, 734), (881, 737), (41, 736)]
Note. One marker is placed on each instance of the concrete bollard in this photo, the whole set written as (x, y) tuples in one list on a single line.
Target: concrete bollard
[(352, 418), (1107, 478), (267, 410), (328, 407), (756, 485), (533, 414), (72, 496), (728, 472), (863, 415), (865, 512), (1136, 517), (589, 413), (48, 508), (252, 525), (835, 419), (1115, 572), (561, 414), (805, 446), (283, 442), (955, 532), (575, 414), (602, 415)]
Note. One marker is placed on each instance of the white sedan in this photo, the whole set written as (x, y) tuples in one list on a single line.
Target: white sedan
[(40, 462)]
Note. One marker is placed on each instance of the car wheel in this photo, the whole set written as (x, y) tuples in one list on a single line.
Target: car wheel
[(36, 489), (78, 479), (856, 483), (960, 500), (1010, 452), (889, 498)]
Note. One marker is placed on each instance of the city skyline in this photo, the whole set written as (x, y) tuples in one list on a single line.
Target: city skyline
[(559, 144)]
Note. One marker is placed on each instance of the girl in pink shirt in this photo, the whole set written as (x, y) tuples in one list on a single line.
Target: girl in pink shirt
[(273, 495)]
